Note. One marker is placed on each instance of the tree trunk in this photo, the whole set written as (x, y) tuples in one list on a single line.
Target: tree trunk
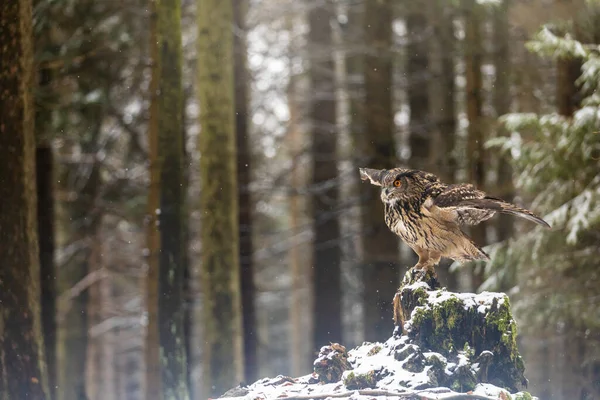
[(22, 364), (220, 278), (300, 309), (327, 292), (99, 379), (153, 387), (244, 163), (473, 53), (506, 189), (45, 217), (442, 90), (172, 202), (418, 75), (44, 167), (567, 92), (380, 246)]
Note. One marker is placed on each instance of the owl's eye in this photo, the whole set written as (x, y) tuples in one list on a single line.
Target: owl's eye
[(397, 183)]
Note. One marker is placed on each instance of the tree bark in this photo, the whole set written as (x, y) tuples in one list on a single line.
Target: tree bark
[(22, 364), (327, 291), (220, 278), (473, 55), (244, 162), (172, 202), (380, 247), (153, 387)]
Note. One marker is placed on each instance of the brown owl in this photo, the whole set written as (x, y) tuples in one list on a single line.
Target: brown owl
[(427, 213)]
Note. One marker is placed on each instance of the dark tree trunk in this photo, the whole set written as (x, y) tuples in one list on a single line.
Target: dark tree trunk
[(220, 276), (442, 90), (567, 91), (172, 202), (22, 364), (418, 74), (45, 217), (244, 163), (381, 269), (506, 189), (473, 53), (327, 290)]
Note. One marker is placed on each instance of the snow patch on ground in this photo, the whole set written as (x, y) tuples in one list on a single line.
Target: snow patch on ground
[(394, 380)]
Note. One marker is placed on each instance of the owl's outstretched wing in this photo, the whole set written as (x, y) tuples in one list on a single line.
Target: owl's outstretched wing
[(470, 206)]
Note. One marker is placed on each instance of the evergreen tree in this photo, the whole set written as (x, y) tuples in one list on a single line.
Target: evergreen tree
[(555, 157)]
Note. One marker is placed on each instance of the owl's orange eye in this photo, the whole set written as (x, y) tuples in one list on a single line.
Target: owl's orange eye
[(397, 183)]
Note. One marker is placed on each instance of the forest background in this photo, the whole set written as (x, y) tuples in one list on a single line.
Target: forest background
[(195, 217)]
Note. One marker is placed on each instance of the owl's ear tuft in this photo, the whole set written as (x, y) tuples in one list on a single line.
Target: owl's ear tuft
[(373, 175)]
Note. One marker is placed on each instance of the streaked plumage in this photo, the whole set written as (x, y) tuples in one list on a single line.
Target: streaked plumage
[(427, 213)]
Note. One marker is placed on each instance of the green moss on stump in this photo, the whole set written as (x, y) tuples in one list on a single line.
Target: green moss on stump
[(376, 349), (446, 322), (354, 381)]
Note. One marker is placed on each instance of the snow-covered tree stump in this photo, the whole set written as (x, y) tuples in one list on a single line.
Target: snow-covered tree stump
[(445, 346)]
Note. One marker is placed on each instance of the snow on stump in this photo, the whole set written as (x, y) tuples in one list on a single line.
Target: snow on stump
[(479, 325), (331, 363), (445, 346)]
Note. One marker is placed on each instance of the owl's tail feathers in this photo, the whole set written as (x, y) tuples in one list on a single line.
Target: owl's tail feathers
[(508, 208), (501, 206)]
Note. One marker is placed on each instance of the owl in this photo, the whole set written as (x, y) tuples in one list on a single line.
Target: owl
[(428, 214)]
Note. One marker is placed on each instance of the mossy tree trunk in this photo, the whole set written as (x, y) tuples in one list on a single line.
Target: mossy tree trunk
[(22, 364), (244, 162), (172, 201), (380, 246), (153, 388), (327, 291), (473, 55), (220, 277), (502, 98)]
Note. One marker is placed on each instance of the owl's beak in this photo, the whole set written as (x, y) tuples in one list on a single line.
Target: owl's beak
[(373, 175)]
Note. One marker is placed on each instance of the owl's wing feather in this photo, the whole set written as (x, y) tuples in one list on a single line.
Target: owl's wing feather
[(471, 206)]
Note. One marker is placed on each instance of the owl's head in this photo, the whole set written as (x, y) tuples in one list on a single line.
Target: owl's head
[(398, 184)]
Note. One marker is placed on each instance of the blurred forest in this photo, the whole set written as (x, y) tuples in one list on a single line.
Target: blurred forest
[(187, 173)]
